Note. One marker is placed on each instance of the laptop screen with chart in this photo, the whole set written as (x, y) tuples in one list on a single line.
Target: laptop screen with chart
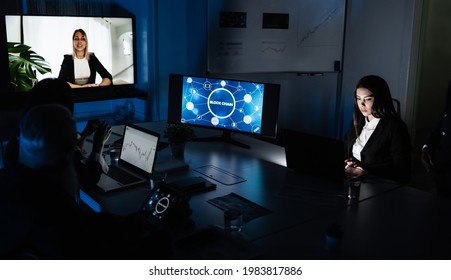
[(136, 159), (139, 148)]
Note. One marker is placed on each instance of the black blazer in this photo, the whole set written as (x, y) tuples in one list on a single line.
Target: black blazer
[(387, 153), (67, 72)]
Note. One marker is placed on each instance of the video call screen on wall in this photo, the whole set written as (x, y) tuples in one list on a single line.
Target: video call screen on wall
[(49, 38), (234, 105)]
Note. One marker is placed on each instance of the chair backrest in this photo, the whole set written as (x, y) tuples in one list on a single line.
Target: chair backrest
[(397, 105)]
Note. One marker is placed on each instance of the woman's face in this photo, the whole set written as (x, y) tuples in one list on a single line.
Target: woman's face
[(79, 41), (365, 101)]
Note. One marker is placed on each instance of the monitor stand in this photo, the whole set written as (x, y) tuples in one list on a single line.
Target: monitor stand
[(225, 137)]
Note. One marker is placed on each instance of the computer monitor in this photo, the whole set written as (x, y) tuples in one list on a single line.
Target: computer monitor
[(41, 41), (230, 105)]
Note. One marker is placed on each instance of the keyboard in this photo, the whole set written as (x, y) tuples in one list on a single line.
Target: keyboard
[(121, 175)]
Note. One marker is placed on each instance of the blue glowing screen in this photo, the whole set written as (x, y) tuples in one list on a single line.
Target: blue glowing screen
[(226, 104)]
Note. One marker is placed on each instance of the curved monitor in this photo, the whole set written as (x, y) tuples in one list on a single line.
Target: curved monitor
[(226, 104)]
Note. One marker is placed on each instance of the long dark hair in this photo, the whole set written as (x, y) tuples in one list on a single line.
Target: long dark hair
[(383, 103)]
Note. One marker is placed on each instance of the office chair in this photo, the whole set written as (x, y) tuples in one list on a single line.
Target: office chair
[(397, 105)]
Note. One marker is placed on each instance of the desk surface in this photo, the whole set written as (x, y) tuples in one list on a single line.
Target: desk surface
[(405, 223), (301, 207)]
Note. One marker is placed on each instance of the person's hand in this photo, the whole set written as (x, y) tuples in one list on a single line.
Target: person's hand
[(355, 171), (426, 160), (101, 135), (83, 86), (90, 127), (351, 163), (353, 167), (90, 85)]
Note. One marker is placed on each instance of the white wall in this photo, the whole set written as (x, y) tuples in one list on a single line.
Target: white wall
[(379, 39)]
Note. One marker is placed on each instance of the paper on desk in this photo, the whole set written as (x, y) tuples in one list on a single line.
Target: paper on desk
[(251, 209)]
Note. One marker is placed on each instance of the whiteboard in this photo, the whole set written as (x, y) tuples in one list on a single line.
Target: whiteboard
[(248, 36)]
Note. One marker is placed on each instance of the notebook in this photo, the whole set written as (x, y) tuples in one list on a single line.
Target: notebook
[(315, 155), (136, 159)]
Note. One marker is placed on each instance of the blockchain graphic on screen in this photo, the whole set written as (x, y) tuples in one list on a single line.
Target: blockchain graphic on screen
[(226, 104)]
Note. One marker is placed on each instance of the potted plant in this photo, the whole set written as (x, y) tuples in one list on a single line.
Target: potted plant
[(23, 63), (178, 134)]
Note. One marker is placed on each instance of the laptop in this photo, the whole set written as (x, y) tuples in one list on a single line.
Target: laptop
[(136, 159), (315, 155)]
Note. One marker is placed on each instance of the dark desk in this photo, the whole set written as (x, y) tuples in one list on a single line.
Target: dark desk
[(404, 223), (301, 206)]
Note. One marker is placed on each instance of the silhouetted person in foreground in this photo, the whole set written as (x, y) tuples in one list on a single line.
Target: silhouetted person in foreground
[(89, 167), (40, 216)]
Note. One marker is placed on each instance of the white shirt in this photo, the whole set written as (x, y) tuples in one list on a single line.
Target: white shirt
[(81, 71), (360, 142)]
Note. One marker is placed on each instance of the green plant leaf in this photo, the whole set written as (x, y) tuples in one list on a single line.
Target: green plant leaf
[(23, 64)]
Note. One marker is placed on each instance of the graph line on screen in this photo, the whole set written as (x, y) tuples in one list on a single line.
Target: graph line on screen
[(138, 151)]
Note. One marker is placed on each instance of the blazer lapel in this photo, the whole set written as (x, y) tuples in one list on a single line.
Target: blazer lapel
[(376, 134)]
